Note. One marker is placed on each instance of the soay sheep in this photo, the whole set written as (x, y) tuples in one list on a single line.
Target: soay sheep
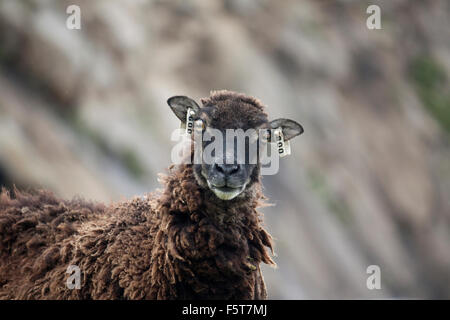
[(201, 237)]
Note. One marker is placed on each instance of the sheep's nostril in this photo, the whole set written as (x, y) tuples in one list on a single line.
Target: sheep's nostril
[(219, 168), (226, 169), (234, 169)]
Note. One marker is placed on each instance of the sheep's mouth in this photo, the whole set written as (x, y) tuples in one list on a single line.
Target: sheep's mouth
[(225, 192)]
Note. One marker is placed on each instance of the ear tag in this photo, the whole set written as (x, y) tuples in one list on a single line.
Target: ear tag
[(284, 147), (188, 126)]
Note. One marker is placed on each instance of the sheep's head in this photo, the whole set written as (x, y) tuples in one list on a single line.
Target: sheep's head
[(231, 169)]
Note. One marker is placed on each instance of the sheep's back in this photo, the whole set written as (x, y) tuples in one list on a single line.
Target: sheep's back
[(31, 224), (41, 235)]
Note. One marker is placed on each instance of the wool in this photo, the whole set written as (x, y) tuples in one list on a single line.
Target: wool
[(180, 242)]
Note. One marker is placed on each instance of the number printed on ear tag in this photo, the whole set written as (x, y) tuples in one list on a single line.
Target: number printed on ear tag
[(284, 147), (189, 124)]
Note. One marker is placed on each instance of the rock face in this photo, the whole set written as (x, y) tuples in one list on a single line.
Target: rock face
[(83, 112)]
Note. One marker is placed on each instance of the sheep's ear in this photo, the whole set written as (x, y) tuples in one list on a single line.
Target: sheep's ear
[(180, 106), (289, 127)]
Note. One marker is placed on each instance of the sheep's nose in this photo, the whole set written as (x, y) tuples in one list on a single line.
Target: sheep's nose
[(227, 169)]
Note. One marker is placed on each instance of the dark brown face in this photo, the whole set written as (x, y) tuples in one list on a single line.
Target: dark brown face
[(229, 128), (227, 170)]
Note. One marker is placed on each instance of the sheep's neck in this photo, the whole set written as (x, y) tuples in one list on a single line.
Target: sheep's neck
[(210, 239)]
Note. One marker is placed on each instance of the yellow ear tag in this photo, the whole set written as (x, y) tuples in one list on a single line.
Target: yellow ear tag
[(284, 147)]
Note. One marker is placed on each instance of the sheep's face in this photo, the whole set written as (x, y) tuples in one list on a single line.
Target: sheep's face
[(231, 129)]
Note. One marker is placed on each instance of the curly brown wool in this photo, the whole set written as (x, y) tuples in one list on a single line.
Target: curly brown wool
[(179, 243)]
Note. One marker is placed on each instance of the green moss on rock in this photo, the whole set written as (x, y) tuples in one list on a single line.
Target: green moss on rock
[(338, 206), (431, 82)]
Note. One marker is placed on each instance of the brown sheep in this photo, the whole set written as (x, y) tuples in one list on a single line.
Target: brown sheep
[(201, 237)]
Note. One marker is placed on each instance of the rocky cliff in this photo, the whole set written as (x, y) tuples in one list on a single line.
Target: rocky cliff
[(83, 112)]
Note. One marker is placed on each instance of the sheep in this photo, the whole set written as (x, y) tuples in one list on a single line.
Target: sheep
[(200, 237)]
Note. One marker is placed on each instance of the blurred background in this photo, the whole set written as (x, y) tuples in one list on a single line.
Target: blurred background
[(83, 112)]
